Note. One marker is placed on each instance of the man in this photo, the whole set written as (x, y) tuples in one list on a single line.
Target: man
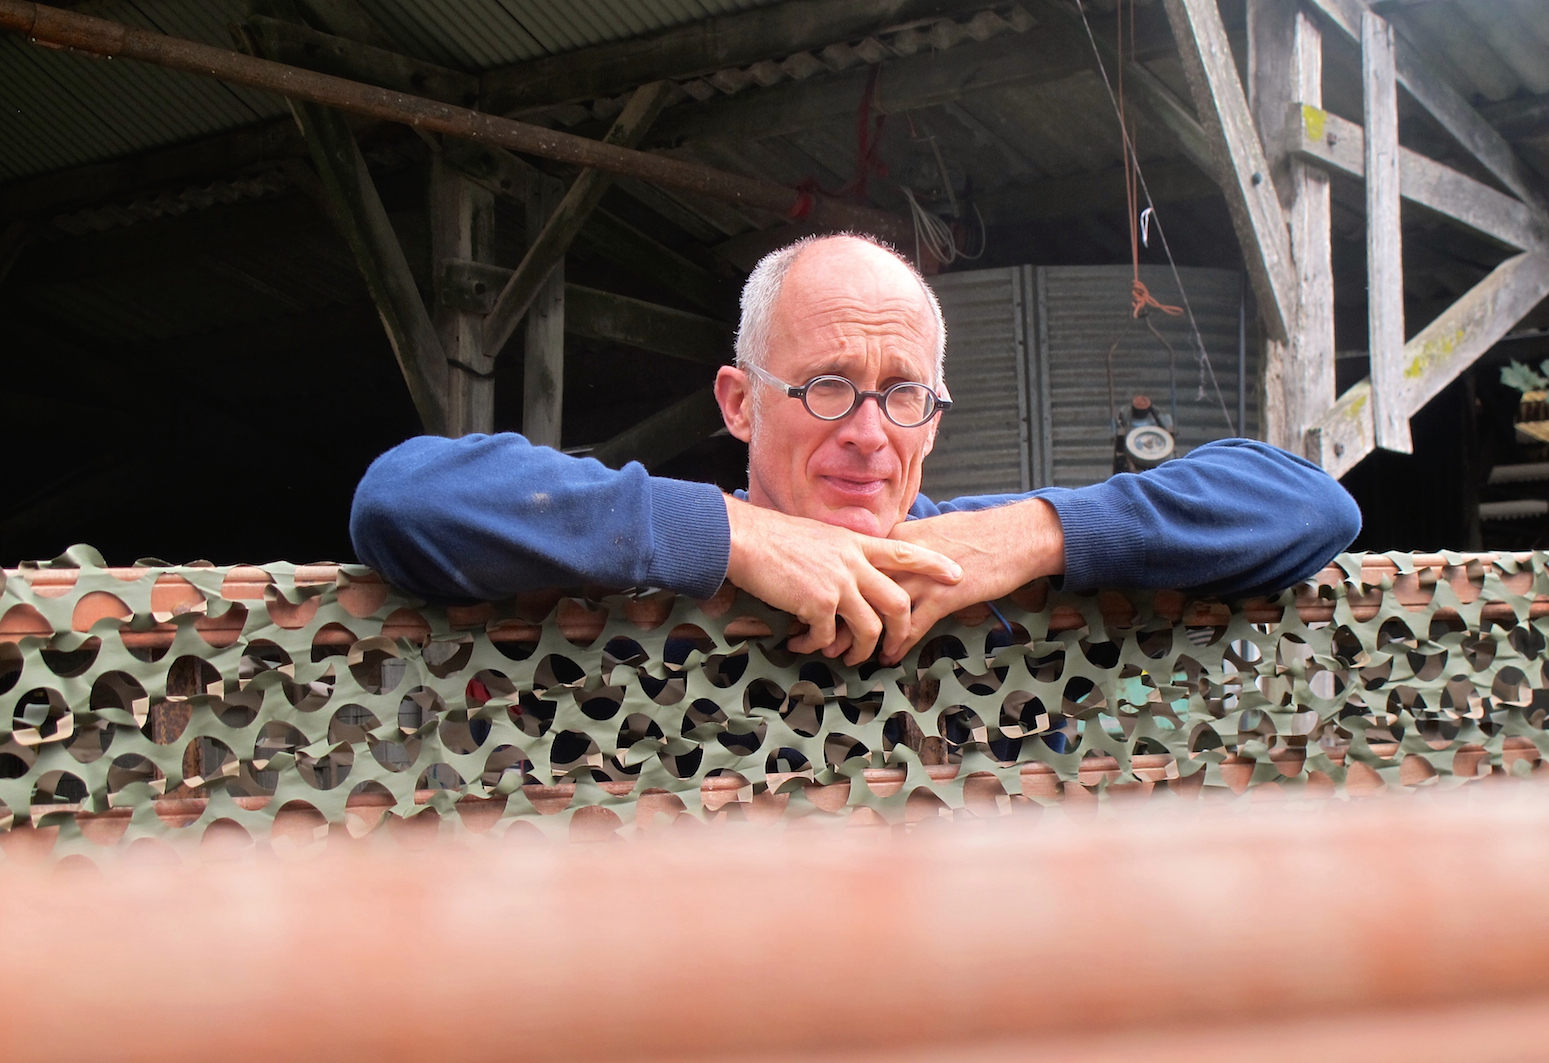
[(838, 390)]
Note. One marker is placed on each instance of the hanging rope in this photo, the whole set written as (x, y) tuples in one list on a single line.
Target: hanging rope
[(1131, 160)]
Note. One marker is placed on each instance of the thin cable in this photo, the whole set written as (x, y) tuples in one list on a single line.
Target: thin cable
[(1161, 231)]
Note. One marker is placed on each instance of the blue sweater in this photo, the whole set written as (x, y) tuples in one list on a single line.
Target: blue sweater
[(486, 516)]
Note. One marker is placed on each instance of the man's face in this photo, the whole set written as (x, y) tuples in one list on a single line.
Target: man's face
[(846, 309)]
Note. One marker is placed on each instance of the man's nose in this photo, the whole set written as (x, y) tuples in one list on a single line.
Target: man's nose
[(866, 428)]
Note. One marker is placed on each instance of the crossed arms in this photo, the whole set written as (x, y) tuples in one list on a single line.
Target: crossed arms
[(484, 517)]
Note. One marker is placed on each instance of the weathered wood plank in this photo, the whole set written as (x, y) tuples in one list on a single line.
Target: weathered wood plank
[(1384, 235), (622, 244), (741, 39), (361, 218), (1285, 63), (1435, 356), (549, 245), (665, 434), (543, 351), (495, 168), (599, 315), (1338, 144), (603, 234), (636, 323), (329, 54), (462, 228), (1241, 167), (347, 18), (1451, 343), (1448, 107)]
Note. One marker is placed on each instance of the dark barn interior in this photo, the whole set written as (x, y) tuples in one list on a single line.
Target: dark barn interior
[(195, 365)]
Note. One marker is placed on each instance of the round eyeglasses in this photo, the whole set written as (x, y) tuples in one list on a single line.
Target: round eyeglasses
[(833, 398)]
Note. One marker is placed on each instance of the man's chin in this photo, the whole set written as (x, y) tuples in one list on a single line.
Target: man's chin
[(856, 519)]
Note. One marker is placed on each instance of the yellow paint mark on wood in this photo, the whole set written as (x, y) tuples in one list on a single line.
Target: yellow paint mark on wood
[(1433, 351), (1312, 121), (1356, 406)]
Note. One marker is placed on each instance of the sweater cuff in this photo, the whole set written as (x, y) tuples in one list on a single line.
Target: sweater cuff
[(1105, 542), (692, 537)]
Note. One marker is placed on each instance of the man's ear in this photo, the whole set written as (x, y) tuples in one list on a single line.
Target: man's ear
[(736, 400)]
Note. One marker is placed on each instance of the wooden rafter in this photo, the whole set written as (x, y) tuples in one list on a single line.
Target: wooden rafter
[(1339, 144), (1447, 106), (580, 199), (1241, 167), (1437, 354)]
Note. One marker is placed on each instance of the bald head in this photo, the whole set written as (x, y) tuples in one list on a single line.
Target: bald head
[(847, 256)]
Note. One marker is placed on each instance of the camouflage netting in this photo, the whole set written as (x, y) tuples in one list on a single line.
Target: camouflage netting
[(239, 696)]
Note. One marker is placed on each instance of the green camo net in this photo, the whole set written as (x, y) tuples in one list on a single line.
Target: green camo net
[(151, 723)]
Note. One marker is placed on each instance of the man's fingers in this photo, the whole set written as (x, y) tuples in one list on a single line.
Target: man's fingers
[(892, 605), (900, 555), (865, 626), (820, 632)]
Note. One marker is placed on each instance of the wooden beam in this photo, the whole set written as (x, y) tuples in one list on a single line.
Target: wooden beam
[(1478, 137), (329, 54), (663, 435), (703, 47), (1285, 63), (549, 246), (347, 18), (1384, 235), (622, 244), (1334, 142), (462, 228), (495, 168), (1241, 167), (1435, 356), (543, 349), (614, 318), (599, 315), (363, 221), (603, 234), (103, 37), (1519, 118)]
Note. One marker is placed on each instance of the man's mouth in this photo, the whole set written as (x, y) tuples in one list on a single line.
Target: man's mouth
[(855, 489)]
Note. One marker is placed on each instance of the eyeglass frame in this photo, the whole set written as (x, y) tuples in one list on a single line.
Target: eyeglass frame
[(799, 391)]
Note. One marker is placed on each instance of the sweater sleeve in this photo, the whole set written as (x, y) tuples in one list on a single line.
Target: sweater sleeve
[(1232, 517), (486, 516)]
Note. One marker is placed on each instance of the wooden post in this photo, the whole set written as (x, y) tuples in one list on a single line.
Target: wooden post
[(1285, 68), (362, 219), (462, 223), (1241, 168), (564, 221), (543, 367), (1384, 259)]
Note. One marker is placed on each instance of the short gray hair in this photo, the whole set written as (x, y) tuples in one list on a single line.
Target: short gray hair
[(762, 291)]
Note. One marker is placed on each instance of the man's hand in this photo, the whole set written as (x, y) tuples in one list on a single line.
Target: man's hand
[(826, 574), (999, 550)]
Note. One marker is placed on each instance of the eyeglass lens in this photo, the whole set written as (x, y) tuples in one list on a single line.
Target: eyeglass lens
[(906, 404)]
